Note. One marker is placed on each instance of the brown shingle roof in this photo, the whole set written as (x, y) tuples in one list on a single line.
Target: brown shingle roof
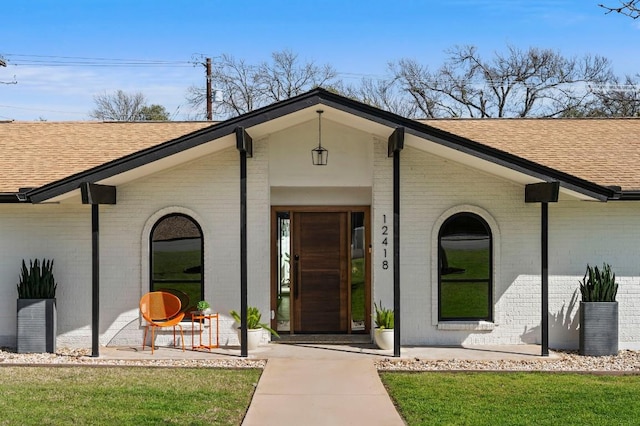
[(37, 153), (603, 151)]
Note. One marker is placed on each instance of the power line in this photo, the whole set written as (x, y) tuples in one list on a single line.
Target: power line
[(51, 60), (41, 110), (84, 61)]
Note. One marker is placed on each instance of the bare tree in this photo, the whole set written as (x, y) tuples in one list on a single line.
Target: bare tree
[(535, 82), (627, 8), (122, 106), (384, 94), (246, 87), (423, 89), (617, 98), (118, 106), (285, 77)]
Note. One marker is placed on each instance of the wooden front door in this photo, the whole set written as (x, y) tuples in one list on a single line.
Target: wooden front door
[(320, 275)]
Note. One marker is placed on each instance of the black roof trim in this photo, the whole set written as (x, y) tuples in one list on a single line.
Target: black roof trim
[(9, 197), (632, 195), (305, 100)]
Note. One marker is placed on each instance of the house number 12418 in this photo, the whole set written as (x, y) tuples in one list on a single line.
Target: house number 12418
[(385, 242)]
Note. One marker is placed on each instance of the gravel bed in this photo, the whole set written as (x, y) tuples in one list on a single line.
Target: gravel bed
[(65, 356), (626, 362)]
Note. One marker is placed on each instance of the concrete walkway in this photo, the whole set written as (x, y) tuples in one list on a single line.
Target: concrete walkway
[(315, 384), (312, 392), (339, 385)]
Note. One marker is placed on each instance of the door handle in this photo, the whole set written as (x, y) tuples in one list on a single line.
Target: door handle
[(296, 278)]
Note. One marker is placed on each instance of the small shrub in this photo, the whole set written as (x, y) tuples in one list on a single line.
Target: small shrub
[(253, 320), (384, 317), (202, 305)]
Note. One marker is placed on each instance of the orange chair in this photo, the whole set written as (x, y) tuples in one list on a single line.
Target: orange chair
[(161, 309)]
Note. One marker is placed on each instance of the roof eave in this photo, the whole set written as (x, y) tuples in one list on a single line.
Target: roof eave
[(306, 100)]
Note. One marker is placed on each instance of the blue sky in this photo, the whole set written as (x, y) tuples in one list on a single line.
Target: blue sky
[(38, 39)]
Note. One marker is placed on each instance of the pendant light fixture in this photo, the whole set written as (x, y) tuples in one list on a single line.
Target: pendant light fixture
[(319, 155)]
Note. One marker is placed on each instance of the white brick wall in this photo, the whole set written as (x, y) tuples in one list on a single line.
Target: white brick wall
[(58, 232), (580, 233), (382, 215), (206, 189), (431, 190)]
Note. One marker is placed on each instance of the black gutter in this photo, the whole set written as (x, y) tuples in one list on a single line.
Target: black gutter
[(9, 198), (628, 196)]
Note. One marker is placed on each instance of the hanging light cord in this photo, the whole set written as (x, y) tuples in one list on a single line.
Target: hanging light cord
[(320, 128)]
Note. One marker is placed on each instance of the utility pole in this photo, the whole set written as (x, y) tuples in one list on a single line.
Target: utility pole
[(197, 60), (209, 95)]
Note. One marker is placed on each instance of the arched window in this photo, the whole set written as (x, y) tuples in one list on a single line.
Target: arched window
[(177, 259), (465, 287)]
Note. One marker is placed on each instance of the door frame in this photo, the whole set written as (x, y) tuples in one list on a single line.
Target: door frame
[(367, 253)]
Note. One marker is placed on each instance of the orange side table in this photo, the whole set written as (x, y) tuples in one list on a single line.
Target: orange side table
[(201, 321)]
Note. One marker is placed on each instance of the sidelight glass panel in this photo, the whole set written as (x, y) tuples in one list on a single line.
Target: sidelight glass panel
[(358, 268), (283, 241)]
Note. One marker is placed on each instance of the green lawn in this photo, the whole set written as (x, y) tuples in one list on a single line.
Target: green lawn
[(514, 398), (124, 396)]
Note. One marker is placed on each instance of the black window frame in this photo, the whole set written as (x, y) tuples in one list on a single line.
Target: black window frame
[(440, 262), (202, 268)]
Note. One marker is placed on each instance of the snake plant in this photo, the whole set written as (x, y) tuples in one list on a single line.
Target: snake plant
[(599, 285), (36, 281)]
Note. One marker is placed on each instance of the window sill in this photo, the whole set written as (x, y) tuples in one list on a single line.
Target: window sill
[(467, 325)]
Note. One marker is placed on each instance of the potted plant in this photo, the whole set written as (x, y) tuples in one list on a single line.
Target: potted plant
[(254, 326), (383, 334), (36, 308), (203, 307), (599, 312)]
